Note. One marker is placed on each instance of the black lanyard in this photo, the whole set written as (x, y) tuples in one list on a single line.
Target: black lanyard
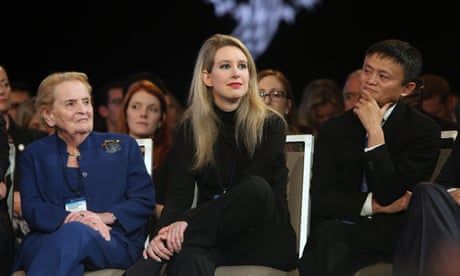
[(218, 172)]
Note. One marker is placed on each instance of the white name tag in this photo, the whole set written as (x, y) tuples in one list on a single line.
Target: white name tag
[(75, 205)]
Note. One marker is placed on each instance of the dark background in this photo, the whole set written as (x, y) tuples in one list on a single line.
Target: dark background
[(111, 39)]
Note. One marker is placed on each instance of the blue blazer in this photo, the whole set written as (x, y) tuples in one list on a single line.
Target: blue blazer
[(113, 178)]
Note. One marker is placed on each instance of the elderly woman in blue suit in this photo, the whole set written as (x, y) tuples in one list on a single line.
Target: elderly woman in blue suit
[(86, 195)]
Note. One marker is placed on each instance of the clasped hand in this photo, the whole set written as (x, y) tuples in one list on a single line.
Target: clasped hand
[(455, 193), (167, 242), (396, 206), (92, 220)]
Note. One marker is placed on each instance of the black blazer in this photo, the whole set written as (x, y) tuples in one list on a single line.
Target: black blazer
[(449, 176), (408, 156), (4, 148), (22, 136)]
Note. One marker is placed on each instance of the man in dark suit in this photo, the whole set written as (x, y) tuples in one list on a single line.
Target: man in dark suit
[(366, 162), (429, 243)]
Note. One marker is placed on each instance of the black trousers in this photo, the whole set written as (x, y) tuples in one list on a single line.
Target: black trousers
[(242, 227), (332, 251), (7, 246), (430, 241)]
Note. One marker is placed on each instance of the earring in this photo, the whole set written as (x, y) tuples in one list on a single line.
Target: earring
[(159, 125)]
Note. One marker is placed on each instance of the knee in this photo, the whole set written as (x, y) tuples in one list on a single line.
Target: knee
[(192, 261), (425, 187), (73, 231), (257, 187), (427, 191)]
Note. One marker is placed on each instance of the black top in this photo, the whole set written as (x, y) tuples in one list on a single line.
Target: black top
[(4, 160), (232, 163), (4, 148), (22, 136)]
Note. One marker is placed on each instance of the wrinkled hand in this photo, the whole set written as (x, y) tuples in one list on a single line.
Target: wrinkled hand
[(92, 220), (396, 206)]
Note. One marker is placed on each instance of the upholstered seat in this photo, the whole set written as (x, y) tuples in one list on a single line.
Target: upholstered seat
[(299, 165), (299, 158), (447, 141)]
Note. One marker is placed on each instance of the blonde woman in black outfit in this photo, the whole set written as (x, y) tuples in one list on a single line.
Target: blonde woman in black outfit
[(232, 145)]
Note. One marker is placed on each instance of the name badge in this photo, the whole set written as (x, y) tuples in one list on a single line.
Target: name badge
[(76, 204)]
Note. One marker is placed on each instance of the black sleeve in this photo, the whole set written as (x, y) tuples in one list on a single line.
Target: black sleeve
[(4, 148)]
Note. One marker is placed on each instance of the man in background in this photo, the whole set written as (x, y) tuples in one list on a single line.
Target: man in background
[(108, 102)]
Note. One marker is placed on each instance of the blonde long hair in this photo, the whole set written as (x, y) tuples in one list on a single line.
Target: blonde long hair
[(250, 115)]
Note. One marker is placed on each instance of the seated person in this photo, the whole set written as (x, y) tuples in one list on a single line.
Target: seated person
[(86, 195), (429, 243), (321, 100), (276, 91), (366, 162), (232, 146)]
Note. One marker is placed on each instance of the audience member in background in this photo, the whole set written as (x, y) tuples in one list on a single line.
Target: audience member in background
[(28, 116), (416, 100), (232, 146), (438, 99), (87, 195), (275, 89), (363, 169), (6, 229), (175, 107), (143, 115), (20, 91), (20, 137), (108, 101), (321, 100), (430, 241), (174, 111), (429, 244), (351, 89)]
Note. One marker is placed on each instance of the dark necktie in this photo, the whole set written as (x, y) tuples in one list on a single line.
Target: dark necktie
[(364, 187)]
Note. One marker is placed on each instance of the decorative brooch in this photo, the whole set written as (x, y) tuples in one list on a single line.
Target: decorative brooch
[(111, 146)]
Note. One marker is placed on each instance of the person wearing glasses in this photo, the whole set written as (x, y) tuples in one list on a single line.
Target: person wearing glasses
[(275, 89), (321, 100)]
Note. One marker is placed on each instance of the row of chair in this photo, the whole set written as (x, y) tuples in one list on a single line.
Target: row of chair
[(299, 158)]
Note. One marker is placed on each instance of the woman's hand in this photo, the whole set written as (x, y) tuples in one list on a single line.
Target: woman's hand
[(167, 242), (3, 190), (156, 249), (92, 220), (175, 235), (17, 208)]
